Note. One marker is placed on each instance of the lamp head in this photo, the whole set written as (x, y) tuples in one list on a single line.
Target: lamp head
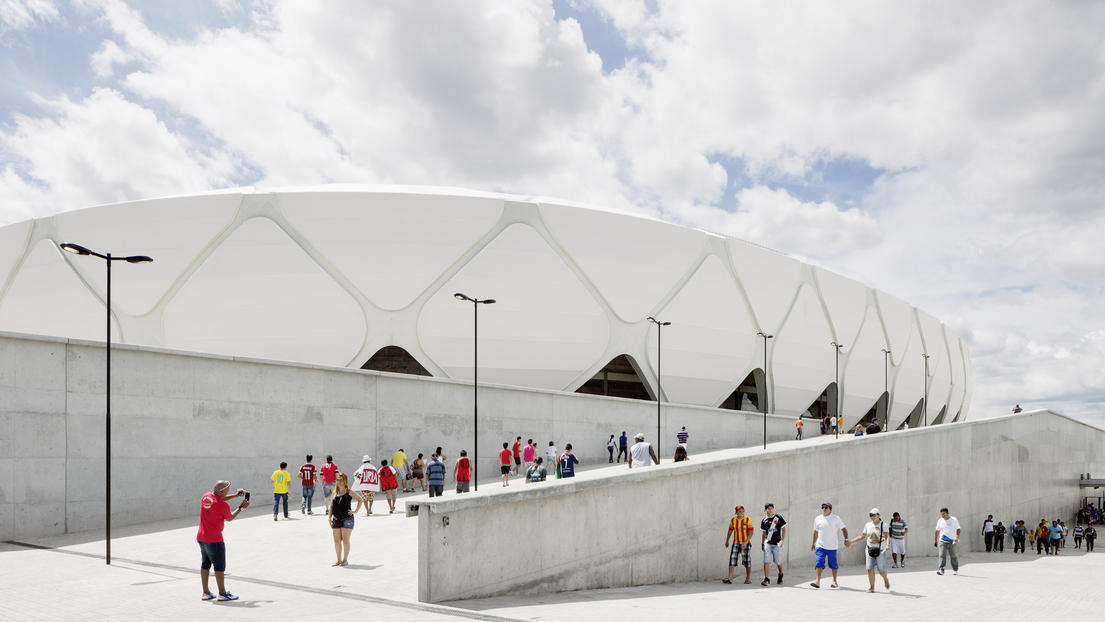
[(460, 296), (138, 259), (76, 249), (489, 301)]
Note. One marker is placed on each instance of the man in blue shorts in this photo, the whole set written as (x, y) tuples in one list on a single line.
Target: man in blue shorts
[(825, 542), (214, 513)]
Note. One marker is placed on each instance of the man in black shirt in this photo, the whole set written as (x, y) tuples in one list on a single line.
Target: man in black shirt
[(773, 532)]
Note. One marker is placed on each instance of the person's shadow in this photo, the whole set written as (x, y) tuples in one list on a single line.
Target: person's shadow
[(242, 604), (360, 567)]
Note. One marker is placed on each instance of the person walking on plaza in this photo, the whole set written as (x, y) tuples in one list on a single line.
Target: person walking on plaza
[(329, 480), (826, 542), (798, 427), (773, 532), (623, 446), (528, 454), (281, 478), (610, 448), (214, 514), (536, 473), (462, 472), (946, 537), (1078, 533), (898, 531), (988, 532), (999, 537), (641, 452), (681, 437), (389, 484), (308, 476), (517, 451), (504, 463), (1042, 541), (418, 472), (341, 512), (435, 473), (1090, 535), (568, 462), (1055, 534), (1018, 532), (366, 483), (740, 531), (877, 537), (402, 472)]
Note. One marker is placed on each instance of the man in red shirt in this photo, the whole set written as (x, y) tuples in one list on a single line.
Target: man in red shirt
[(214, 513), (307, 476), (389, 483), (329, 479), (517, 455), (504, 463), (462, 472)]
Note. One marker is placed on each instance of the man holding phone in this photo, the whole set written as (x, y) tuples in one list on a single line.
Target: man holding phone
[(214, 514)]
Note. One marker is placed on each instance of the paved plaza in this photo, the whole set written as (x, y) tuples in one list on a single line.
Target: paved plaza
[(283, 569)]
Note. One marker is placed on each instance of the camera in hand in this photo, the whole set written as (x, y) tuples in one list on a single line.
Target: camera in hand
[(247, 495)]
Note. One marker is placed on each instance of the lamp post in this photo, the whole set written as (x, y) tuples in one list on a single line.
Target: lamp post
[(925, 403), (763, 398), (886, 382), (839, 419), (659, 325), (476, 302), (77, 249)]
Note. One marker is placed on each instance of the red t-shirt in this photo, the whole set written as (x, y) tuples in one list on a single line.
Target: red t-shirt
[(214, 512), (517, 449), (464, 470), (387, 479), (307, 474), (329, 473), (504, 456)]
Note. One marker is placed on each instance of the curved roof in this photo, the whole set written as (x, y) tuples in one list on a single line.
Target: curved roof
[(332, 274)]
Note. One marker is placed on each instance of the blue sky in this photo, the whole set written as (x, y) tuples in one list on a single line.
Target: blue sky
[(951, 156)]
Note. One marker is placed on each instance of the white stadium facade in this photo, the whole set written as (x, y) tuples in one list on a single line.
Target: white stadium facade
[(365, 276)]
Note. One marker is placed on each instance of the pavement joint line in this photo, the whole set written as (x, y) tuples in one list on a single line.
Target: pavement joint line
[(437, 609)]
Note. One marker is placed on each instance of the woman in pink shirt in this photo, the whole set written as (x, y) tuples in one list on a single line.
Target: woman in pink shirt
[(528, 455)]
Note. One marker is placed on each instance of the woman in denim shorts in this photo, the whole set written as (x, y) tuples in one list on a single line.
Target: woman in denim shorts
[(341, 518), (876, 536)]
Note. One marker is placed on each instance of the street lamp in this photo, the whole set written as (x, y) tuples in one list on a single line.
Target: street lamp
[(886, 383), (475, 382), (763, 398), (659, 325), (925, 403), (839, 419), (77, 249)]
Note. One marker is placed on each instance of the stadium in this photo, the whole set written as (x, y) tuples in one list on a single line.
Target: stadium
[(366, 277)]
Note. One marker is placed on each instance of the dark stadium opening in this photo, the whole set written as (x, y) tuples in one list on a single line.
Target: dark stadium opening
[(621, 377), (395, 360), (940, 416), (747, 395), (877, 412), (914, 418), (824, 405)]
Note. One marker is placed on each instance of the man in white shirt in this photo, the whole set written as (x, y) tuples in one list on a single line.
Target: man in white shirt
[(825, 542), (641, 452), (947, 538), (988, 532)]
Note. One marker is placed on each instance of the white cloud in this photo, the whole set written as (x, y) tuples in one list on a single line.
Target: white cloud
[(19, 14)]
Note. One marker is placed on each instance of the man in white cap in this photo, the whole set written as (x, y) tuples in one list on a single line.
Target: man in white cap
[(641, 452), (366, 482), (214, 514), (877, 536)]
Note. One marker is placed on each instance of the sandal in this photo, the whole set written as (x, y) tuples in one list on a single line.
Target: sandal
[(817, 585), (726, 581), (747, 581)]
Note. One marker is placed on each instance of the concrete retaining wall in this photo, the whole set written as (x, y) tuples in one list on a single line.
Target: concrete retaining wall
[(181, 421), (668, 524)]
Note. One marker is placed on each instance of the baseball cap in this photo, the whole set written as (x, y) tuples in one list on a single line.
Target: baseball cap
[(769, 505), (366, 458), (739, 508), (875, 511)]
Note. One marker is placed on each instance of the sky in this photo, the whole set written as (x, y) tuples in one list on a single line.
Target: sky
[(949, 153)]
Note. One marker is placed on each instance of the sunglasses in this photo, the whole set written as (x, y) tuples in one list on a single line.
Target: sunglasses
[(825, 507), (872, 514)]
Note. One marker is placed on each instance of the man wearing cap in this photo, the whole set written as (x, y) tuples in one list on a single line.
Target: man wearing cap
[(366, 482), (877, 537), (773, 531), (740, 529), (641, 452), (825, 542), (214, 514)]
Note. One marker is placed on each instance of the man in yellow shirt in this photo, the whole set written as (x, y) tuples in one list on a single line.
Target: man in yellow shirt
[(399, 464), (280, 480), (740, 528)]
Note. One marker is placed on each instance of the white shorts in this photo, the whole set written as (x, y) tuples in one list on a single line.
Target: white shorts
[(897, 546)]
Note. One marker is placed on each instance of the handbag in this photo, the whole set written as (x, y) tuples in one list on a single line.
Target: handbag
[(875, 551)]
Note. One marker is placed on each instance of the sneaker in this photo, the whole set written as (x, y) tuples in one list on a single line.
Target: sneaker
[(227, 596), (766, 582), (207, 596), (780, 579), (940, 572), (894, 566), (302, 510), (955, 572), (309, 513), (274, 518)]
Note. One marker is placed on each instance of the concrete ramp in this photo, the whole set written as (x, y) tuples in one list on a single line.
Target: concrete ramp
[(619, 527)]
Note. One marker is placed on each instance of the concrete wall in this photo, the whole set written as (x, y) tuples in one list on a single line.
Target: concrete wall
[(668, 523), (181, 421)]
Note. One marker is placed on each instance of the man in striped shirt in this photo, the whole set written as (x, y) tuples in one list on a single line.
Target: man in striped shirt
[(435, 475), (681, 436), (740, 529)]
